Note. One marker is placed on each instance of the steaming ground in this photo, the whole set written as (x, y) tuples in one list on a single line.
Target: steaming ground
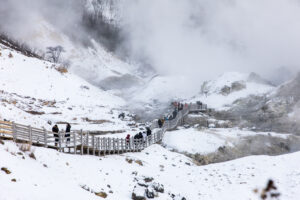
[(219, 145)]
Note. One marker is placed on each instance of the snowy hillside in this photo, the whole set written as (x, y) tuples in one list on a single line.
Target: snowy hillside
[(93, 63), (34, 92), (60, 176), (231, 86)]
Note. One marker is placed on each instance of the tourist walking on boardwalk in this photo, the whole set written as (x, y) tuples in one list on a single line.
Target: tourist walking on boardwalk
[(127, 141), (122, 116), (68, 130), (174, 114), (160, 123), (180, 107), (148, 130), (55, 130)]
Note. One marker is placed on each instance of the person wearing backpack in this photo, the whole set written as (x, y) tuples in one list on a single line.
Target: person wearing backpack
[(55, 130), (68, 130)]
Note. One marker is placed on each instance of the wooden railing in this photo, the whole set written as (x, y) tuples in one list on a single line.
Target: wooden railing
[(81, 142)]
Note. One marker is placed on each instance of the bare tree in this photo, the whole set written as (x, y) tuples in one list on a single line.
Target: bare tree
[(53, 53)]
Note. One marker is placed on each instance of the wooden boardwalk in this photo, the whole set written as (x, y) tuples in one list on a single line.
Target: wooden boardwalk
[(81, 142)]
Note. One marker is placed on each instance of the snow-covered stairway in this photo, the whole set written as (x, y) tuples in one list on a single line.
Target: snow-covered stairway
[(82, 143)]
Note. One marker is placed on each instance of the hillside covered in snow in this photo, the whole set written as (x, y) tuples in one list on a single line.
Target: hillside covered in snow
[(56, 175), (40, 93)]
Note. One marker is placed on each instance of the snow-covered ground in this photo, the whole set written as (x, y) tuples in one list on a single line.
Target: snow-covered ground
[(56, 175), (31, 85), (207, 141), (94, 63), (212, 90)]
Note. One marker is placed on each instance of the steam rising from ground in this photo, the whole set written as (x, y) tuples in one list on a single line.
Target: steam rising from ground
[(204, 37), (197, 38), (21, 18)]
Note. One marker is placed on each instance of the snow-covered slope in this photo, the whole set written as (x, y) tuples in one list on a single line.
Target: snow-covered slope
[(227, 88), (55, 175), (34, 92), (92, 62)]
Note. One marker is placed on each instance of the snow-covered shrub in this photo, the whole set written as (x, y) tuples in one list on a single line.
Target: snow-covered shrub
[(53, 54)]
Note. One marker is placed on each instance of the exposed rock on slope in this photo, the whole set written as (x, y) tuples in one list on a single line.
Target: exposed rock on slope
[(277, 111)]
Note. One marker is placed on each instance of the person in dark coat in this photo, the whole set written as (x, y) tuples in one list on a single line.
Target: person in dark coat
[(180, 106), (68, 130), (122, 116), (148, 130), (55, 130), (160, 123), (136, 136), (174, 114), (140, 135)]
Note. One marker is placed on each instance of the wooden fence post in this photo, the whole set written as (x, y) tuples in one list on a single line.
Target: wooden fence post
[(121, 145), (81, 140), (132, 144), (109, 145), (74, 141), (99, 153), (118, 149), (14, 132), (59, 140), (113, 142), (45, 138), (101, 144), (124, 143), (87, 143), (30, 134), (104, 146), (94, 150)]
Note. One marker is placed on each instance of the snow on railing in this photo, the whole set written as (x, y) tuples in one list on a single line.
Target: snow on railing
[(81, 142), (78, 142)]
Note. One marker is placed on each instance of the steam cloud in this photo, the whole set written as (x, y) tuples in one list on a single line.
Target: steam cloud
[(197, 38), (21, 19), (202, 38)]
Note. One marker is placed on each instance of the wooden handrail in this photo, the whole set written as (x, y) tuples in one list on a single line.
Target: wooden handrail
[(86, 143)]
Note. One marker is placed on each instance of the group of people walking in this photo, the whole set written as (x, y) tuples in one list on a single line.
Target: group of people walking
[(55, 130), (141, 135), (177, 107)]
